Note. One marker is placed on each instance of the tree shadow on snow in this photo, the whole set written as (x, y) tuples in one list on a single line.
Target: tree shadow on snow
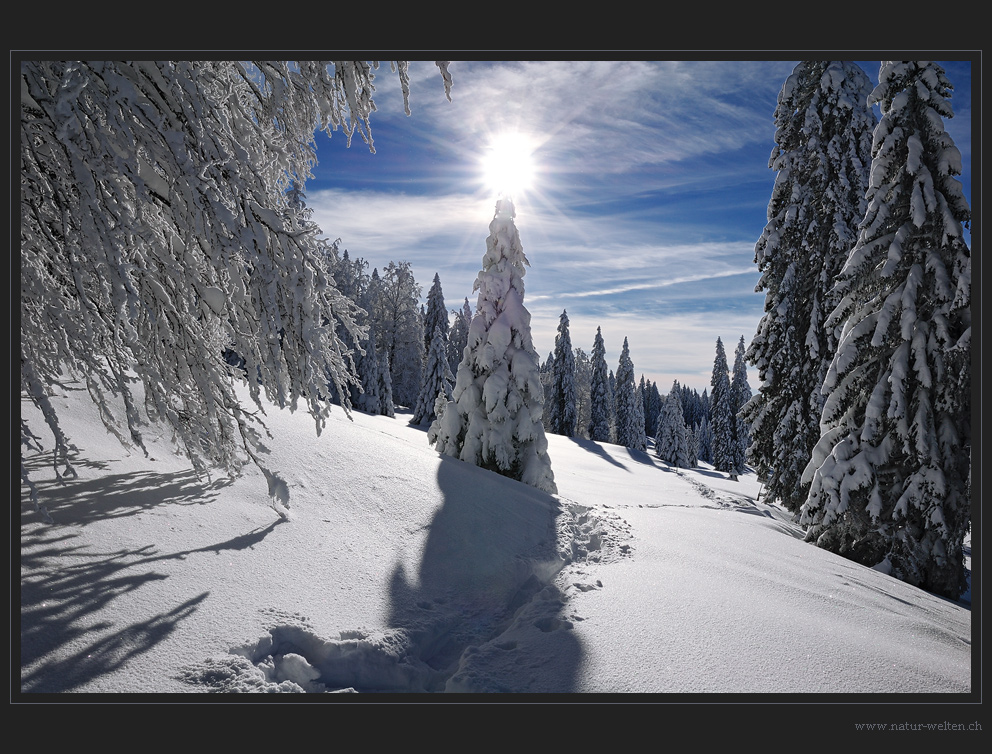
[(81, 501), (710, 473), (641, 456), (58, 605), (597, 449), (481, 607)]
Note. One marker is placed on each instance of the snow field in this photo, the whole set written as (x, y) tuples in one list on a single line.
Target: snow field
[(400, 570)]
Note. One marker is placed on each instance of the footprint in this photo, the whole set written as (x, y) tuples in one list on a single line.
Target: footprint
[(551, 623), (587, 587)]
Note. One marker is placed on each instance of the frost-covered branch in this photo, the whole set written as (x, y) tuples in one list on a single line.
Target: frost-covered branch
[(158, 234)]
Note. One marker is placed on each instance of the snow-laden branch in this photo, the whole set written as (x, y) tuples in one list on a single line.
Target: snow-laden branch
[(159, 242)]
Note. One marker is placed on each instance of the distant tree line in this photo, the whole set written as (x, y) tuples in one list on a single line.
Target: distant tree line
[(586, 399)]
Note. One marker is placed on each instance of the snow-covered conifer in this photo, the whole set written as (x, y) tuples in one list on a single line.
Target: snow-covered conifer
[(601, 400), (642, 391), (372, 304), (692, 436), (671, 441), (368, 399), (889, 476), (547, 372), (494, 417), (721, 414), (458, 336), (548, 368), (437, 379), (386, 407), (561, 397), (629, 421), (641, 441), (822, 154), (397, 314), (705, 437), (652, 405), (692, 407), (612, 382), (583, 393), (740, 394), (435, 316)]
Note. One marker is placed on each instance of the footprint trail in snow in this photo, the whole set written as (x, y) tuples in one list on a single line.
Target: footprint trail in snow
[(451, 645)]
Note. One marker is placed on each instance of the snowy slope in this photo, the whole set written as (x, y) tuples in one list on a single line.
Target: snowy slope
[(400, 570)]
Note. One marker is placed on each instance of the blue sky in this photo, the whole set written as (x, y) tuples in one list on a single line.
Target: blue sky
[(651, 189)]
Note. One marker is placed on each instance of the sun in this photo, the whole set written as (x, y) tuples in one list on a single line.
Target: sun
[(508, 165)]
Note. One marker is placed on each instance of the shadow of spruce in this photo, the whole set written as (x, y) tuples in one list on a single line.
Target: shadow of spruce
[(64, 583), (482, 610), (597, 449)]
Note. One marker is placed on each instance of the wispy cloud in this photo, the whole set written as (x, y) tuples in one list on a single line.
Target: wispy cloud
[(672, 302), (652, 189), (648, 285), (594, 117)]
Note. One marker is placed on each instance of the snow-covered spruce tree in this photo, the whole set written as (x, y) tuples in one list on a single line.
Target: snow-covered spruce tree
[(692, 437), (601, 401), (705, 436), (692, 413), (371, 304), (401, 330), (386, 407), (671, 440), (494, 417), (642, 391), (458, 335), (437, 379), (652, 405), (740, 394), (822, 154), (692, 406), (612, 382), (546, 374), (630, 422), (352, 280), (722, 422), (561, 398), (435, 316), (889, 477), (583, 381), (350, 276), (368, 399), (642, 441), (156, 222)]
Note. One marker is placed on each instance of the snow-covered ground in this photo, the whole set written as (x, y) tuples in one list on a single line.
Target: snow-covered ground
[(399, 570)]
